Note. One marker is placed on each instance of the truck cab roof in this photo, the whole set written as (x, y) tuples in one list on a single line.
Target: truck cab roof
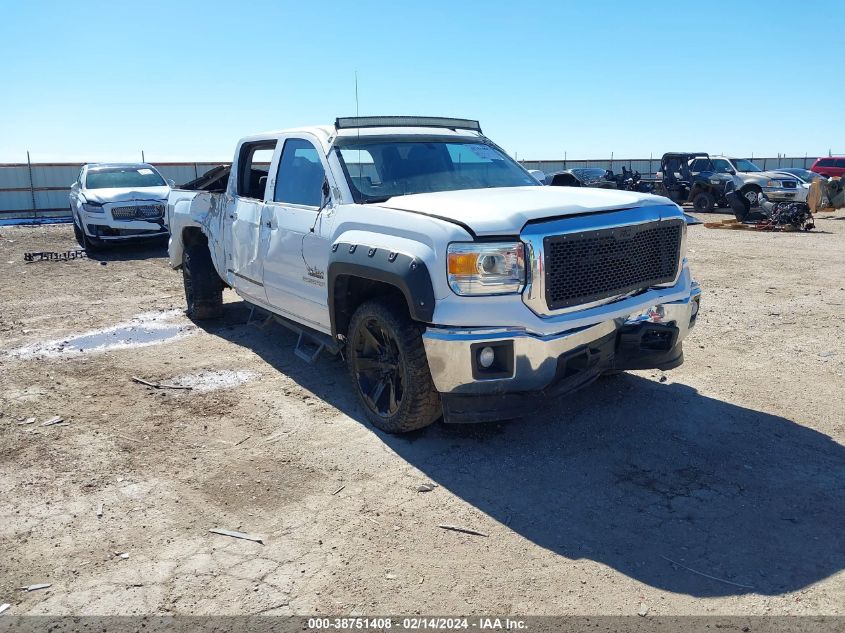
[(357, 127)]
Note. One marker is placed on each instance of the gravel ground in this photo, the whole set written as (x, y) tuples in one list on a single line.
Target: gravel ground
[(716, 488)]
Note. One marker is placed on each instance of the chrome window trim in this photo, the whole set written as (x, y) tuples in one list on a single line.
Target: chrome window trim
[(534, 295)]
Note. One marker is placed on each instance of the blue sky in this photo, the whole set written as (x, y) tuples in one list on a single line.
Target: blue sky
[(184, 80)]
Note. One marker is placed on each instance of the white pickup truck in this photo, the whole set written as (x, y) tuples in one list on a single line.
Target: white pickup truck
[(453, 283)]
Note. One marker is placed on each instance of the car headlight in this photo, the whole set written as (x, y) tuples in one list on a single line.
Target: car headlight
[(492, 268), (773, 183), (715, 181), (93, 207)]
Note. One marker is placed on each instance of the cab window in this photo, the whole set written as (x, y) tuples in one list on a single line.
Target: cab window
[(300, 177), (253, 166)]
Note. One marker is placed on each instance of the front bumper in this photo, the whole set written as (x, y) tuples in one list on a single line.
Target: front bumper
[(778, 194), (551, 365), (101, 227), (106, 226)]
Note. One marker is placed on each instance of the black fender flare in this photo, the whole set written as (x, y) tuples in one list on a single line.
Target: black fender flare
[(407, 273)]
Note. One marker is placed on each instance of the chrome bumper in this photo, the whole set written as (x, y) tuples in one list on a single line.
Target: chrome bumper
[(780, 193), (450, 351)]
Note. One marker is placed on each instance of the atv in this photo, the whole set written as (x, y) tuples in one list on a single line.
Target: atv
[(704, 189)]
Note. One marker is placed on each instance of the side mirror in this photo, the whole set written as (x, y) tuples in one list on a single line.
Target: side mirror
[(732, 172), (539, 175), (171, 183)]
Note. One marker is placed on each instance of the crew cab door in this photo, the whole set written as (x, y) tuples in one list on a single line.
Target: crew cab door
[(242, 220), (295, 233)]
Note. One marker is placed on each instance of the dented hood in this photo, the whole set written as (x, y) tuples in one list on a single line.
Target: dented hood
[(505, 210), (121, 194)]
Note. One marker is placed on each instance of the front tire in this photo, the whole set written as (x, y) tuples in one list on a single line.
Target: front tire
[(703, 201), (203, 287), (386, 360), (78, 232)]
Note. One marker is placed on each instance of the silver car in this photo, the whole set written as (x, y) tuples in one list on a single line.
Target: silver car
[(116, 202)]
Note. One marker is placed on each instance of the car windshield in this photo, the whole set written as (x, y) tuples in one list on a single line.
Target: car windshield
[(381, 168), (801, 174), (119, 177), (745, 165), (589, 173)]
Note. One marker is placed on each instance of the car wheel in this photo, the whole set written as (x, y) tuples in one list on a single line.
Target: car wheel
[(90, 244), (752, 194), (78, 233), (703, 201), (203, 287), (389, 370), (741, 207)]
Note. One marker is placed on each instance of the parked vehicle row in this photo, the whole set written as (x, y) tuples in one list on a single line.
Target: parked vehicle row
[(699, 179)]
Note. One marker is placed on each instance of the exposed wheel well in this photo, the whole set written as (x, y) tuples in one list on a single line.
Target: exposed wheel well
[(350, 292), (192, 236)]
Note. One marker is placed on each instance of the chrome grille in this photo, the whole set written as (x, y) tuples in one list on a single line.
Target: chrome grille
[(592, 265), (138, 212)]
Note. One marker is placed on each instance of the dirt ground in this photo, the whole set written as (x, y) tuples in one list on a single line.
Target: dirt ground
[(716, 488)]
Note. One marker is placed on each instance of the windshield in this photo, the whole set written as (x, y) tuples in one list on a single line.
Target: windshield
[(134, 177), (589, 173), (745, 165), (802, 174), (378, 169)]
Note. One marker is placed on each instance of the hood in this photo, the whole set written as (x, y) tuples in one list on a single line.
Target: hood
[(776, 175), (104, 196), (505, 210), (766, 175)]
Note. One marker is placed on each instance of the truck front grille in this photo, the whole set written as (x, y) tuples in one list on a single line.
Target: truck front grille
[(790, 184), (593, 265), (138, 212)]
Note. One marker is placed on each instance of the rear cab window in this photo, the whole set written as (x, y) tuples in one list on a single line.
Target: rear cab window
[(253, 166)]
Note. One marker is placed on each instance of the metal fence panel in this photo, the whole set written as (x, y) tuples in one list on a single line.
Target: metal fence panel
[(50, 182)]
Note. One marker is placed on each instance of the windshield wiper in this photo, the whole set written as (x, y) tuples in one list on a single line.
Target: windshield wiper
[(377, 200)]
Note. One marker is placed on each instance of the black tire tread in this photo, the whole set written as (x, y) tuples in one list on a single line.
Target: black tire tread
[(421, 401), (207, 287), (709, 201)]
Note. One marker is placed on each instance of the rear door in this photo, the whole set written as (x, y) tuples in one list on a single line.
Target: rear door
[(296, 230), (242, 219)]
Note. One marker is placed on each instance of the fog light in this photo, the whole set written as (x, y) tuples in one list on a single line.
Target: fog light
[(486, 357)]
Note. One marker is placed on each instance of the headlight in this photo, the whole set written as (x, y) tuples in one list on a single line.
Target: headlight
[(773, 183), (492, 268), (715, 181), (93, 207)]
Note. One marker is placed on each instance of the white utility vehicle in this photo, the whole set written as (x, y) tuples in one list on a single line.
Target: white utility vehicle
[(452, 281), (117, 202)]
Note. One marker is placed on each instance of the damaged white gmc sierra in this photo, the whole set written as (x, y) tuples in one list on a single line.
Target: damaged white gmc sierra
[(452, 282)]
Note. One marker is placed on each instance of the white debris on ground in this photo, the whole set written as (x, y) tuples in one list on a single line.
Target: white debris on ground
[(212, 380), (148, 328)]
